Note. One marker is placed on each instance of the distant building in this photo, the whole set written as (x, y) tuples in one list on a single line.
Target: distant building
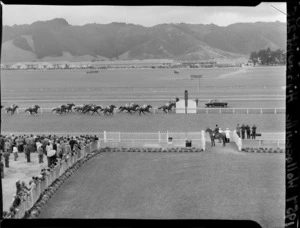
[(198, 64), (147, 63)]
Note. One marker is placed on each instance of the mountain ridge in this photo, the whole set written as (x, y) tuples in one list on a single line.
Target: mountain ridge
[(54, 39)]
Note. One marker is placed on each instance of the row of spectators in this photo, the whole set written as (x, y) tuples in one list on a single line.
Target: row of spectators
[(52, 147), (246, 131), (64, 147)]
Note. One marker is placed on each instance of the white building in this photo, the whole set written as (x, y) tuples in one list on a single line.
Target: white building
[(191, 106)]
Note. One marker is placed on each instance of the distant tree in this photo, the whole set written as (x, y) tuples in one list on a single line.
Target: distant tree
[(254, 57), (268, 57)]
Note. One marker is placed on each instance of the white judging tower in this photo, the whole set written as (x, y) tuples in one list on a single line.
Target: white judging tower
[(186, 105)]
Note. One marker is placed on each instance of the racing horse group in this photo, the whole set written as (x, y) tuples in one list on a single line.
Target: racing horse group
[(92, 109)]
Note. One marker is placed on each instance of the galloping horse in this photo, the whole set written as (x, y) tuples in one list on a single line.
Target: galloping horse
[(78, 108), (58, 110), (144, 109), (11, 109), (33, 109), (168, 107), (129, 107), (95, 108), (69, 107), (109, 110), (214, 136)]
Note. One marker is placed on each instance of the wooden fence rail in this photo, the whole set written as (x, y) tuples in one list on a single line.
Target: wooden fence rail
[(198, 111)]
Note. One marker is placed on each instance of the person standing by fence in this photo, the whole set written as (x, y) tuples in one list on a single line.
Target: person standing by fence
[(6, 158), (27, 152), (253, 131), (40, 153), (227, 133), (15, 152), (248, 131), (238, 130), (243, 128), (8, 146)]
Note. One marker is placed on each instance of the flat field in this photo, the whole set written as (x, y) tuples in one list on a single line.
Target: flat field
[(206, 185)]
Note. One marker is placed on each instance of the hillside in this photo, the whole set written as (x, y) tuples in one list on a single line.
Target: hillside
[(58, 40)]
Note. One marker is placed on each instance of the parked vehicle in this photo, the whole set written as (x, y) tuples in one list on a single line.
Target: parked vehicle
[(216, 103)]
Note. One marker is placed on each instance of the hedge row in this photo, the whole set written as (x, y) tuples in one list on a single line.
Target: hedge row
[(263, 150), (49, 192), (136, 149)]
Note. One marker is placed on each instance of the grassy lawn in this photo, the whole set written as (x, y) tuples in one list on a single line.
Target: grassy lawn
[(215, 184)]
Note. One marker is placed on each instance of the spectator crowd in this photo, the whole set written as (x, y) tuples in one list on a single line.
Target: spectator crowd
[(54, 148)]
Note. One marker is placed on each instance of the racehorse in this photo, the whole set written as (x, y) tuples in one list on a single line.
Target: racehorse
[(11, 109), (79, 108), (69, 107), (129, 107), (86, 108), (213, 135), (64, 109), (144, 109), (168, 107), (109, 110), (95, 108), (33, 109), (57, 110)]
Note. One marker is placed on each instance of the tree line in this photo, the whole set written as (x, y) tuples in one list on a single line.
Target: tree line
[(268, 57)]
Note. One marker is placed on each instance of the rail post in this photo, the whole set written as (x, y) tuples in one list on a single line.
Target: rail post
[(41, 111), (167, 136), (119, 136), (104, 136), (275, 111), (247, 111), (159, 137), (261, 111), (233, 110), (203, 142)]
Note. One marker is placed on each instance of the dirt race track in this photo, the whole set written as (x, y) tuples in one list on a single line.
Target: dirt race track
[(216, 184)]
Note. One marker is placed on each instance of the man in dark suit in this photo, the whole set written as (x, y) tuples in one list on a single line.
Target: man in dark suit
[(243, 128), (27, 152), (248, 131), (6, 158), (253, 131)]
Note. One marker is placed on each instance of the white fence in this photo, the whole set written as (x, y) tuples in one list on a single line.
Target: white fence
[(55, 173), (237, 140), (198, 111), (152, 139)]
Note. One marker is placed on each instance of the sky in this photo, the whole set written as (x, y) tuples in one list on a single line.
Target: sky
[(144, 15)]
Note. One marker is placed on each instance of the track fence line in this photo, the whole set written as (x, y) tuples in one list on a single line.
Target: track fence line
[(198, 111)]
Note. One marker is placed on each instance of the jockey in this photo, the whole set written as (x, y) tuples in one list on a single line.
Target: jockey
[(217, 129), (144, 106), (12, 106)]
